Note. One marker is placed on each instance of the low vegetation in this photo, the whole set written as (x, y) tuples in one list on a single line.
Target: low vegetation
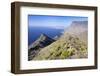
[(64, 48)]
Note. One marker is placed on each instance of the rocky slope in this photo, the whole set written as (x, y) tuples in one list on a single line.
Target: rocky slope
[(36, 46), (67, 47)]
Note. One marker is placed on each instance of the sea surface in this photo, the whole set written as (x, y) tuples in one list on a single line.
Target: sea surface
[(35, 32)]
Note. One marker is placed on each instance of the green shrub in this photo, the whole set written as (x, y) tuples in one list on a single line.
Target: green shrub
[(64, 54), (67, 53), (82, 48)]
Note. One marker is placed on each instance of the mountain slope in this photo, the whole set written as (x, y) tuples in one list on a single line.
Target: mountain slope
[(83, 36), (35, 47), (66, 47), (72, 44)]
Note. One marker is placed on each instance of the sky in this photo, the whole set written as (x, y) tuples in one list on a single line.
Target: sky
[(56, 22)]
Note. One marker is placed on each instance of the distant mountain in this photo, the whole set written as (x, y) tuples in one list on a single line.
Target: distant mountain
[(78, 28), (41, 42)]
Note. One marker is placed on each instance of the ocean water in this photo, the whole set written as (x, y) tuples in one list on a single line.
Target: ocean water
[(35, 32)]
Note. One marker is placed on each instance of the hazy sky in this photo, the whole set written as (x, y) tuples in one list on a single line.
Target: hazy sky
[(57, 22)]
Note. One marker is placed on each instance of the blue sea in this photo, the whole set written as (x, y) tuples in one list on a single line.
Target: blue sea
[(35, 32)]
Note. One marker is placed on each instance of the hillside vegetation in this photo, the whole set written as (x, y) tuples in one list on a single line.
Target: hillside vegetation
[(66, 47)]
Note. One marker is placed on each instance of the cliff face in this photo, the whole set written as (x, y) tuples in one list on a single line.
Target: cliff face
[(78, 28)]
